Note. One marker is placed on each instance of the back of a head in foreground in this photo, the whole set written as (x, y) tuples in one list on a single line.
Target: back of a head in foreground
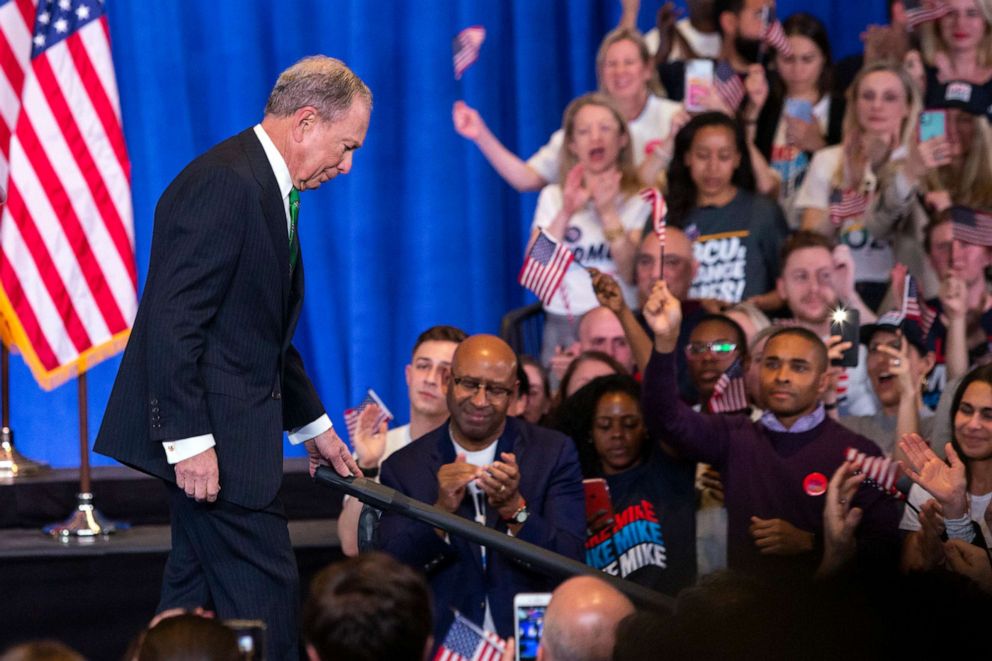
[(581, 621), (41, 650), (188, 637), (366, 608)]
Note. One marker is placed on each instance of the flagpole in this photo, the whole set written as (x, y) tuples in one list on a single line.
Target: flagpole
[(12, 463), (86, 523)]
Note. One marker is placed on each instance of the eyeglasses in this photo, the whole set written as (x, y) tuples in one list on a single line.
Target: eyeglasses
[(696, 349), (470, 386)]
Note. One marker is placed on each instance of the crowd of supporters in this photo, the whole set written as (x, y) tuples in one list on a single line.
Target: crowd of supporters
[(785, 478)]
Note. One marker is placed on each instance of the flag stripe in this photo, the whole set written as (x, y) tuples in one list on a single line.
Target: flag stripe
[(48, 275), (12, 286), (95, 85), (70, 248), (97, 173)]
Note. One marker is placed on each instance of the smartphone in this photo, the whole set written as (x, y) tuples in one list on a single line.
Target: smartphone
[(847, 324), (528, 622), (599, 505), (933, 124), (800, 109), (251, 637), (698, 82)]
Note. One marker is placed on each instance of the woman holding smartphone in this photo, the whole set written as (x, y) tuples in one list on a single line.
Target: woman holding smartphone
[(857, 191), (596, 213), (649, 537), (800, 116)]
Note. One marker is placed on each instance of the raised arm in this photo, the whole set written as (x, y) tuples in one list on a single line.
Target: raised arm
[(697, 437), (469, 124)]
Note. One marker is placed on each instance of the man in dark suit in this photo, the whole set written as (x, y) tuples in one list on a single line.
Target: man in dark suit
[(500, 471), (209, 379)]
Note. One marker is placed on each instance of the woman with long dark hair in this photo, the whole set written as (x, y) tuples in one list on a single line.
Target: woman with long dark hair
[(711, 195), (952, 497), (650, 538), (800, 115)]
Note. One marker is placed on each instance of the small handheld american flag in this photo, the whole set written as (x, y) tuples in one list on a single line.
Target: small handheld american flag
[(915, 308), (879, 472), (659, 218), (351, 415), (846, 204), (774, 35), (729, 394), (729, 85), (923, 11), (544, 267), (466, 48), (971, 226), (465, 641)]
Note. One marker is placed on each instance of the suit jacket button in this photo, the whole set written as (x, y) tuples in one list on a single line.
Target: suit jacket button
[(276, 395), (154, 402)]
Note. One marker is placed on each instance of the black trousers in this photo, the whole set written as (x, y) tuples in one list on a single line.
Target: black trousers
[(237, 562)]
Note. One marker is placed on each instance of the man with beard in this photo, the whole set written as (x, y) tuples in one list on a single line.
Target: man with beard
[(511, 476), (774, 469), (818, 277), (740, 23), (425, 381)]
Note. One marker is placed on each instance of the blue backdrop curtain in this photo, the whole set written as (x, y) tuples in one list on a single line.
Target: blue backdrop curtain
[(423, 231)]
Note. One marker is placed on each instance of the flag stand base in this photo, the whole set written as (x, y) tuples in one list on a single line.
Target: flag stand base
[(12, 463), (85, 525)]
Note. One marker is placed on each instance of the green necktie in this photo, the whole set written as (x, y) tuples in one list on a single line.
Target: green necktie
[(294, 213)]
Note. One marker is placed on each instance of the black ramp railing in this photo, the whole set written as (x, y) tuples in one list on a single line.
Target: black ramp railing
[(537, 558)]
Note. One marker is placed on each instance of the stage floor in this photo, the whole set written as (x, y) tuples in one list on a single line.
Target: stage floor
[(97, 596)]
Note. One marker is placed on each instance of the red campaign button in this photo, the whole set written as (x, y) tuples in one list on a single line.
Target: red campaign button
[(815, 484), (651, 146)]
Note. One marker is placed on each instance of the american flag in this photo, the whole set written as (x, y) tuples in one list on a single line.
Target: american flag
[(659, 212), (971, 226), (774, 35), (879, 472), (351, 415), (915, 308), (466, 48), (467, 642), (922, 11), (846, 204), (68, 283), (544, 267), (729, 85), (729, 394)]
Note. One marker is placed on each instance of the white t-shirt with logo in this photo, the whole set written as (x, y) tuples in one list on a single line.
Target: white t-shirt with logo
[(584, 237)]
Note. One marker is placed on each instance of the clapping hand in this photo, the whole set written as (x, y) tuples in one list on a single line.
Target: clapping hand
[(840, 518), (574, 193), (945, 482)]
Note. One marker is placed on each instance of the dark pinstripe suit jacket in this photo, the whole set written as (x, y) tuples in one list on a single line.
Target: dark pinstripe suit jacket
[(210, 349)]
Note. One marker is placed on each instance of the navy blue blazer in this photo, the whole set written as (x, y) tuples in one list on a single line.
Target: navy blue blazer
[(210, 349), (550, 482)]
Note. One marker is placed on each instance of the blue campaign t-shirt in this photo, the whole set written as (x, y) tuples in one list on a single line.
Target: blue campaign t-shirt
[(653, 537)]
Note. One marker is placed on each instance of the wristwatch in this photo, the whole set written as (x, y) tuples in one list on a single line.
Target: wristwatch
[(520, 516)]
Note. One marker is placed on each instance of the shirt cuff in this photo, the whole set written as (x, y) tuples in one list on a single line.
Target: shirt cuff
[(306, 432), (184, 448)]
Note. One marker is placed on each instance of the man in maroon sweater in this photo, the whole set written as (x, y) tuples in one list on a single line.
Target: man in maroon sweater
[(775, 470)]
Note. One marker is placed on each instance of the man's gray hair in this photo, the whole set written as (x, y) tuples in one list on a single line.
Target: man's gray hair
[(323, 82)]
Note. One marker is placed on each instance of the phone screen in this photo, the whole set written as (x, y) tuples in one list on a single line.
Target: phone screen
[(800, 109), (529, 626), (847, 324), (698, 80), (933, 124)]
